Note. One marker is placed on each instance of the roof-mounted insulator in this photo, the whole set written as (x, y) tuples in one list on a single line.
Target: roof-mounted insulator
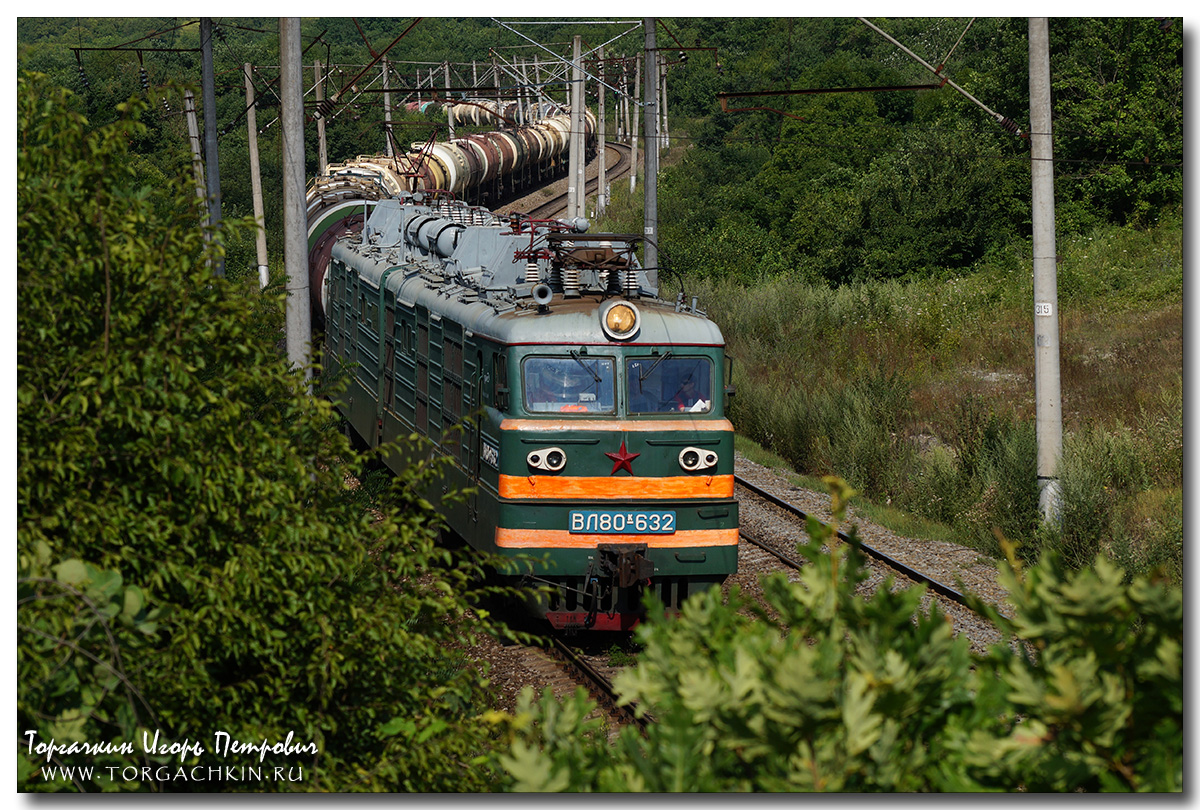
[(631, 282), (570, 281)]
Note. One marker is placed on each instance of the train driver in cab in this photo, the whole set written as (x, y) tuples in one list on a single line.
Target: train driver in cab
[(689, 397)]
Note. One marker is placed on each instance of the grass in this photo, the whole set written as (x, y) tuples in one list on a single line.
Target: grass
[(921, 394), (899, 521)]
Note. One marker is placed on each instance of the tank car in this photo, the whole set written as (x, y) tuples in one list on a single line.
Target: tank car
[(584, 416)]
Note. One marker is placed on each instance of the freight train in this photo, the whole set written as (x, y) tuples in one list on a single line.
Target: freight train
[(481, 168), (583, 415)]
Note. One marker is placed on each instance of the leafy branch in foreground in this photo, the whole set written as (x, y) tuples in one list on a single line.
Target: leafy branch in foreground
[(822, 689)]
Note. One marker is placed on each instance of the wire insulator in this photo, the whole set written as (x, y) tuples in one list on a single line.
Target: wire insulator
[(144, 77), (325, 108), (1010, 125)]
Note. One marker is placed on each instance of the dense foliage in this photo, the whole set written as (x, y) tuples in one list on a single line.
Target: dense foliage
[(878, 185), (829, 186), (190, 558), (823, 689)]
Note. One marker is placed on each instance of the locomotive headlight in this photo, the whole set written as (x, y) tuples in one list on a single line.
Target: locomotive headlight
[(620, 320), (551, 459), (696, 458)]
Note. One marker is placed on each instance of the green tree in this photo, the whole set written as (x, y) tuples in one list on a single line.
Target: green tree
[(190, 557)]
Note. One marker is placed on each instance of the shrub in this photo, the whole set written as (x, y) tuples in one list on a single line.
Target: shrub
[(189, 558), (821, 689)]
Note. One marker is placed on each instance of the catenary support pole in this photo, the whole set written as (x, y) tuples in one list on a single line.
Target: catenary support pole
[(1048, 385), (666, 127), (387, 107), (212, 171), (260, 242), (295, 225), (637, 109), (580, 133), (650, 187), (189, 109), (319, 89), (574, 154), (601, 157), (449, 105)]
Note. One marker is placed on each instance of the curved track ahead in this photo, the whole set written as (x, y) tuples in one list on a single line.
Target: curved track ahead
[(558, 203)]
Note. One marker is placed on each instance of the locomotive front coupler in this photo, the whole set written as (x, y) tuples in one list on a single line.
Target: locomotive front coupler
[(625, 563)]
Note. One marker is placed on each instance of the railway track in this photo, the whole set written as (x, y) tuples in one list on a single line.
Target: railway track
[(891, 562), (597, 683), (761, 555), (558, 203)]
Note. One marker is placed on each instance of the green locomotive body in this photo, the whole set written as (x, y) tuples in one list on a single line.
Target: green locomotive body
[(584, 416)]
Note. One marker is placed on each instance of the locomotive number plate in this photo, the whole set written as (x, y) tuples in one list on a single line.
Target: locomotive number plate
[(614, 521)]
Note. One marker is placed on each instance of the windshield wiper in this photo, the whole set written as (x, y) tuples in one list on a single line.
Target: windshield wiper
[(588, 369), (644, 374)]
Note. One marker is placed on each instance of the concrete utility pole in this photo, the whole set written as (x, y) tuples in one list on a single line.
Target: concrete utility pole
[(496, 76), (637, 109), (579, 133), (189, 109), (295, 225), (666, 129), (1048, 384), (449, 106), (625, 100), (208, 90), (256, 182), (601, 179), (650, 124), (537, 87), (319, 82), (387, 108), (528, 97), (575, 156)]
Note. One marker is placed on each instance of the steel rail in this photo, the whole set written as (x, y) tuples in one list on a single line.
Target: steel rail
[(908, 571), (557, 203), (598, 683)]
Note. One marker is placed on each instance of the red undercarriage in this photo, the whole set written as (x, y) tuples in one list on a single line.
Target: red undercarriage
[(568, 619)]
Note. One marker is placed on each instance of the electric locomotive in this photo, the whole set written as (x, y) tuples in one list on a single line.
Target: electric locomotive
[(585, 417)]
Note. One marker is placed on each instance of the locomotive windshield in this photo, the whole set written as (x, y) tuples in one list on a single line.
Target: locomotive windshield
[(576, 383), (669, 383)]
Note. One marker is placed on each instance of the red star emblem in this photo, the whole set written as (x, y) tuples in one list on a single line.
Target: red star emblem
[(621, 458)]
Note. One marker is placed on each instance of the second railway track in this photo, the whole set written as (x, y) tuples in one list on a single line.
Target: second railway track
[(558, 203), (773, 525)]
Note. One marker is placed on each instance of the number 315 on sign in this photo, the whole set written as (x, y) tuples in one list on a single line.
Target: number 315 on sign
[(1043, 308)]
